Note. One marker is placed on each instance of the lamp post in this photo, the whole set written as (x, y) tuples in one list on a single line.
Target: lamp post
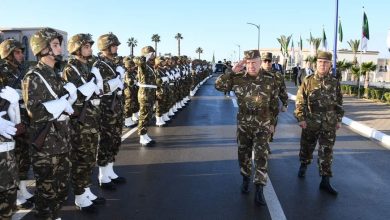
[(239, 52), (388, 40), (258, 35)]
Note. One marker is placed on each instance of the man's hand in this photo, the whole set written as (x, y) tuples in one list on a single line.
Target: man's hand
[(338, 125), (239, 66), (302, 124)]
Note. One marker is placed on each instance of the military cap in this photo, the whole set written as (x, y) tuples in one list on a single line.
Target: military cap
[(324, 55), (266, 56), (251, 54), (146, 50), (9, 45)]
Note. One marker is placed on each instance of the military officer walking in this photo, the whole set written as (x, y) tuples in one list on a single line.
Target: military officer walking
[(319, 112), (255, 90)]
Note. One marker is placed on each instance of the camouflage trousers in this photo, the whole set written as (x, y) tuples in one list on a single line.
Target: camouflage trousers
[(145, 115), (131, 102), (7, 203), (52, 173), (85, 140), (253, 137), (326, 140), (22, 153), (110, 130)]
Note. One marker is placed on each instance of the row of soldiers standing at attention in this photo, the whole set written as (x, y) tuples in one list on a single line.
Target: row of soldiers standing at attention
[(64, 123)]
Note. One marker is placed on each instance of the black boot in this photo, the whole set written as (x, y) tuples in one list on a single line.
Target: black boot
[(302, 170), (99, 201), (325, 185), (119, 180), (108, 186), (259, 196), (245, 185)]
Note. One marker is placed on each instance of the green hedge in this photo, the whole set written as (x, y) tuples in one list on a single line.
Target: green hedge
[(373, 93)]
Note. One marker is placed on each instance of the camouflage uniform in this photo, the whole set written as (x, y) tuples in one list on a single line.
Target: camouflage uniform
[(51, 162), (131, 89), (8, 181), (254, 118), (281, 95), (319, 103)]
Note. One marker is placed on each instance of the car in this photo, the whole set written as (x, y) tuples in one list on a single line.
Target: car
[(219, 68)]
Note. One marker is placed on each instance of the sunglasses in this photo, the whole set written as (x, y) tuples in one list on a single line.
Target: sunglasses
[(267, 61)]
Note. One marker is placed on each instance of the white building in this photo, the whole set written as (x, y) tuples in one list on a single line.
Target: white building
[(23, 35)]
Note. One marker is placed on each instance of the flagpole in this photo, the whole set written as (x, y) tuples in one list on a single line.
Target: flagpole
[(360, 59), (336, 26)]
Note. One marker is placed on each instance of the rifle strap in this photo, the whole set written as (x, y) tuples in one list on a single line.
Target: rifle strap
[(47, 85), (77, 71), (109, 67)]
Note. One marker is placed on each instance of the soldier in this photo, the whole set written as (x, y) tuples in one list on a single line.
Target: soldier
[(161, 91), (49, 102), (8, 164), (319, 112), (12, 73), (146, 93), (131, 89), (281, 92), (110, 79), (255, 90), (84, 126)]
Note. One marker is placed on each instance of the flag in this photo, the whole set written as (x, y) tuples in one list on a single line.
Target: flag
[(324, 41), (340, 32), (300, 43), (365, 32), (292, 51)]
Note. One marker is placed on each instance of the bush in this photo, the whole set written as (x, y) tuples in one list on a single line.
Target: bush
[(386, 96)]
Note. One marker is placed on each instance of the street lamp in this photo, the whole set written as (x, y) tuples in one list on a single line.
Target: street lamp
[(388, 40), (258, 34), (239, 52)]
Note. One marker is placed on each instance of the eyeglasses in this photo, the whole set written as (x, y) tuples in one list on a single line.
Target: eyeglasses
[(267, 61)]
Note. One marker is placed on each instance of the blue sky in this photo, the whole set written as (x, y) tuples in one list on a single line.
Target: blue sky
[(216, 26)]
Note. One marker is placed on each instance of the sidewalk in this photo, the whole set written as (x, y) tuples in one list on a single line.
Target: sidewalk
[(369, 113)]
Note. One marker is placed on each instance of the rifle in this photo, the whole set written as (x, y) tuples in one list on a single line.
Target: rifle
[(113, 103), (39, 140), (81, 118)]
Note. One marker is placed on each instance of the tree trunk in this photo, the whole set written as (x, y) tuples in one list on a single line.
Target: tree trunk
[(155, 47), (366, 80), (132, 51), (178, 47), (199, 55)]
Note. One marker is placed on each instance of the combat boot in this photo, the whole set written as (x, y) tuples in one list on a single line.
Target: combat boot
[(259, 196), (129, 122), (135, 117), (166, 117), (149, 139), (245, 185), (325, 186), (160, 122), (302, 170), (25, 193), (112, 175), (105, 181), (171, 113), (96, 200), (21, 202), (84, 204)]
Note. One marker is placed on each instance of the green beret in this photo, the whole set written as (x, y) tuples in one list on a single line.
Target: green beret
[(266, 56), (324, 55), (251, 54)]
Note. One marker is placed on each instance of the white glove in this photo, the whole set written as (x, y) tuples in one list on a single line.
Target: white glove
[(72, 90), (7, 128), (99, 80), (114, 83), (121, 71), (10, 94), (165, 79), (19, 91), (14, 113), (121, 85), (88, 89), (57, 106)]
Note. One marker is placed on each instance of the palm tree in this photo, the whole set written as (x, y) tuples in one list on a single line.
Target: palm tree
[(132, 42), (284, 42), (178, 37), (155, 39), (354, 44), (343, 66), (366, 68), (199, 50), (316, 42)]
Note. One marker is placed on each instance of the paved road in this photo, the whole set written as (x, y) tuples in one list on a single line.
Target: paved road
[(192, 173)]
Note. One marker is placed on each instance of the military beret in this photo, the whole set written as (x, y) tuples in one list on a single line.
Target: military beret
[(266, 56), (251, 54), (324, 55)]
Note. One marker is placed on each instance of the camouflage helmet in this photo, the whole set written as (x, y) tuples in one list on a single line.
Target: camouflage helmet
[(77, 41), (159, 60), (128, 61), (146, 50), (9, 45), (107, 40), (42, 38)]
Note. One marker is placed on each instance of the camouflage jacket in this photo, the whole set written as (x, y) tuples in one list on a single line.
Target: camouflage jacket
[(282, 90), (106, 72), (146, 75), (255, 95), (35, 93), (319, 99), (131, 87)]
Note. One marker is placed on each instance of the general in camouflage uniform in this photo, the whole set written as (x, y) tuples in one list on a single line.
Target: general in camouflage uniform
[(146, 92), (255, 90), (319, 112), (109, 78), (48, 101), (8, 164), (85, 124), (131, 92), (11, 74)]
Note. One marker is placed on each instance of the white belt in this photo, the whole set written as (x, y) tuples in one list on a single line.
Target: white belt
[(171, 84), (95, 102), (146, 86), (108, 93), (7, 146), (22, 106), (63, 118)]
